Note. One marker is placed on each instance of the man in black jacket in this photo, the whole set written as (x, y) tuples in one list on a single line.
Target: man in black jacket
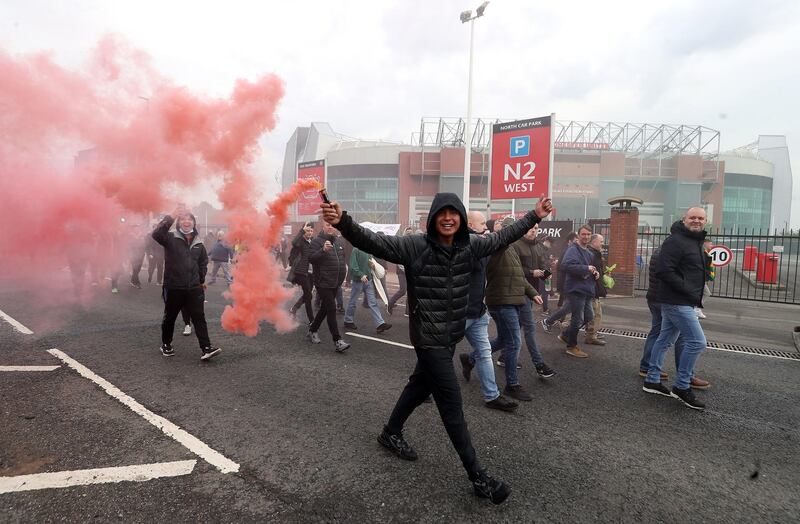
[(185, 267), (299, 274), (681, 270), (326, 254), (438, 267)]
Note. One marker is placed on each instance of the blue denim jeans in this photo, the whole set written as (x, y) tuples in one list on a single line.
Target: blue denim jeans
[(582, 313), (677, 321), (652, 336), (477, 334), (528, 324), (508, 338), (355, 293)]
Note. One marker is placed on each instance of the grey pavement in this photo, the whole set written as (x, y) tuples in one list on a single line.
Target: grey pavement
[(302, 421)]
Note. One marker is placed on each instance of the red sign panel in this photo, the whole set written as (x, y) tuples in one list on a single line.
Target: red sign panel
[(308, 203), (521, 158)]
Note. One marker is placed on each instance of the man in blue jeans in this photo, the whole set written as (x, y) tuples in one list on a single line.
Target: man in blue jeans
[(509, 295), (681, 270), (362, 277), (579, 287), (477, 328)]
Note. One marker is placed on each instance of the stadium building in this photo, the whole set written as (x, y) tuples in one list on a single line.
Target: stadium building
[(670, 167)]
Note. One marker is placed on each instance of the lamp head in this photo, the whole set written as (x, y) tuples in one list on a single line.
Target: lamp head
[(466, 16), (482, 8)]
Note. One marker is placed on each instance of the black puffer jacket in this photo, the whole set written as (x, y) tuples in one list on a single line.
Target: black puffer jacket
[(681, 267), (185, 264), (299, 254), (653, 283), (600, 264), (329, 266), (438, 276)]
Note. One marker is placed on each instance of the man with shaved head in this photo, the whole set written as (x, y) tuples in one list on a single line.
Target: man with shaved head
[(681, 270)]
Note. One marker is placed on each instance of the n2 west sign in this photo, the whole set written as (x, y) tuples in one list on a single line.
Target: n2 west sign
[(521, 158), (308, 203)]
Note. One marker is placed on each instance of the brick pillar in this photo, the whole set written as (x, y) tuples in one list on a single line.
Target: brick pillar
[(622, 248)]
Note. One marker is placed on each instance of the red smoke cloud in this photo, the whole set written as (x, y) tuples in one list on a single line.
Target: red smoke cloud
[(82, 148)]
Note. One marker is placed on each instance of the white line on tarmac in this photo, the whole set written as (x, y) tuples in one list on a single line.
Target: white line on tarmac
[(82, 477), (188, 440), (29, 368), (16, 324), (379, 340)]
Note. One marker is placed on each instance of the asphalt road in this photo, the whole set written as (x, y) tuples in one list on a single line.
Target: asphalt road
[(301, 421)]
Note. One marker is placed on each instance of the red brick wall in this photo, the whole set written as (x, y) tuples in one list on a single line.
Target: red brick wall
[(622, 248)]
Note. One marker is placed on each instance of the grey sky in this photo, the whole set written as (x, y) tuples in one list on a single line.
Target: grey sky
[(374, 68)]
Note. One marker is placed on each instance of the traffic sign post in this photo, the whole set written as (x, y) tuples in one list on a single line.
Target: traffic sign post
[(721, 256)]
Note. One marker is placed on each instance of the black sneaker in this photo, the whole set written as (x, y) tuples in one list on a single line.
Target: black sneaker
[(466, 366), (210, 352), (502, 403), (490, 488), (656, 388), (167, 351), (687, 397), (545, 371), (547, 327), (350, 326), (397, 445), (518, 392), (501, 362), (384, 327)]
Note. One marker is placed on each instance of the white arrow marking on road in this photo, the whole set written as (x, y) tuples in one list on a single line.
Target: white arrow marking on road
[(82, 477), (17, 325), (29, 368), (188, 440), (379, 340)]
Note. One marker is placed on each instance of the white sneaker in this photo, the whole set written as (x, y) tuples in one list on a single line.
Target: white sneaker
[(187, 330), (699, 312)]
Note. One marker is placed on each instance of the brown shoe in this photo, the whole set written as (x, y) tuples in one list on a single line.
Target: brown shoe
[(643, 374), (699, 383), (594, 342), (575, 351)]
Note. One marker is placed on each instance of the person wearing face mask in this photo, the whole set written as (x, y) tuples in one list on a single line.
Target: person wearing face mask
[(185, 267)]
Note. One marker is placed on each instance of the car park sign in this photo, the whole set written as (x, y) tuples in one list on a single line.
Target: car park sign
[(521, 158)]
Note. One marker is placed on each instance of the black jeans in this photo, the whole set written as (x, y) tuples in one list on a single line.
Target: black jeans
[(434, 374), (192, 300), (155, 264), (543, 293), (401, 280), (328, 310), (136, 268), (308, 290)]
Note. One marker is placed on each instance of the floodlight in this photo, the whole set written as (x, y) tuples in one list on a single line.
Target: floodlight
[(466, 16), (482, 8)]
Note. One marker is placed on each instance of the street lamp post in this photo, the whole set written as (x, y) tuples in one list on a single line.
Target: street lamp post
[(466, 16)]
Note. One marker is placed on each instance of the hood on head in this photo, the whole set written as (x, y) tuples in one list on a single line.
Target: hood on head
[(441, 201)]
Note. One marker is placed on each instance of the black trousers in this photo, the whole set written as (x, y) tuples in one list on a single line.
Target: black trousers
[(434, 374), (308, 293), (136, 268), (155, 264), (327, 311), (192, 300), (401, 280)]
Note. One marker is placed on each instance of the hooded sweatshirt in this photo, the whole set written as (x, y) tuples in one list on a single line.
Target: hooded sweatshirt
[(438, 275), (185, 261)]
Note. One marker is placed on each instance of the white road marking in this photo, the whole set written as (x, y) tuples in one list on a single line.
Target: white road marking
[(82, 477), (188, 440), (17, 325), (29, 368), (379, 340)]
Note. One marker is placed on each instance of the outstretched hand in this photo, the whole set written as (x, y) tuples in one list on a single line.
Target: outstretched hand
[(544, 207), (331, 213)]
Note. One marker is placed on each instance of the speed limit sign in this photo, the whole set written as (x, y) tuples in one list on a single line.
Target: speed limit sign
[(720, 256)]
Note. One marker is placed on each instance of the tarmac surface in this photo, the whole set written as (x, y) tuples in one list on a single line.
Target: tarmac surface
[(301, 421)]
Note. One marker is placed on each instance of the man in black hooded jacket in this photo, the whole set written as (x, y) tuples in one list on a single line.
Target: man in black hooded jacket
[(438, 266), (185, 267)]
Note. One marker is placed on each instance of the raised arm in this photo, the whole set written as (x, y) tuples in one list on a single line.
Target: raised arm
[(485, 245), (398, 250), (161, 232)]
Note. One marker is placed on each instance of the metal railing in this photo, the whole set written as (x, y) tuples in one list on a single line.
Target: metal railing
[(772, 277)]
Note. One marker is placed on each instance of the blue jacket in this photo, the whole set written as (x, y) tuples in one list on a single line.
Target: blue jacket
[(220, 252), (576, 264)]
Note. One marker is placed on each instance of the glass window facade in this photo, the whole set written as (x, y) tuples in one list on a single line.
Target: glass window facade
[(747, 202), (367, 199)]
